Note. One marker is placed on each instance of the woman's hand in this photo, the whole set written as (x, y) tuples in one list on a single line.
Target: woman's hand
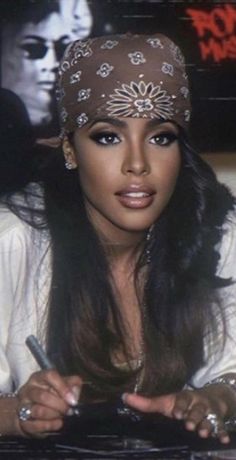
[(192, 407), (49, 398)]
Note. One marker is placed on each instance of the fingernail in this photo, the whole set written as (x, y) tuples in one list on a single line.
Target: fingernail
[(190, 426), (71, 399), (178, 415), (225, 439), (70, 412), (76, 392), (72, 396), (123, 397), (203, 433)]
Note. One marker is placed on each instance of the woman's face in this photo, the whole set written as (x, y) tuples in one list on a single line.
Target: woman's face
[(127, 170), (31, 55)]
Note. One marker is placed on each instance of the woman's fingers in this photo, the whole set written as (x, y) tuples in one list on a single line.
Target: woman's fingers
[(49, 388), (64, 388), (44, 401), (41, 428), (161, 404), (206, 429), (194, 416), (182, 404), (193, 407)]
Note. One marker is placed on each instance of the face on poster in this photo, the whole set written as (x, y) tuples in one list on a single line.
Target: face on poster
[(31, 52)]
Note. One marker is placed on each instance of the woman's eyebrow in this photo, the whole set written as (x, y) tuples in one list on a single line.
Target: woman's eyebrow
[(156, 123), (111, 121)]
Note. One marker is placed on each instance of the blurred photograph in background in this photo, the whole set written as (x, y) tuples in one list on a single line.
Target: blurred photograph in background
[(35, 34)]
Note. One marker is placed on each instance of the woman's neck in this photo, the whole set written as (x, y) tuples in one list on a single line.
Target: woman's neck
[(121, 245), (123, 253)]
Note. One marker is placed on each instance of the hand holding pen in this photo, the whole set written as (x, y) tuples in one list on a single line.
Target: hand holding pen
[(46, 397), (45, 363)]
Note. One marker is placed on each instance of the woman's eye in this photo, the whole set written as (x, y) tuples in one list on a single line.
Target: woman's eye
[(164, 139), (105, 138)]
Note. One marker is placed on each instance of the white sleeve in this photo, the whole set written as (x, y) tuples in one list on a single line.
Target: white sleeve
[(24, 289), (221, 358), (13, 262)]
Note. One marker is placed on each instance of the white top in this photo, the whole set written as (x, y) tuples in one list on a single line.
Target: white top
[(25, 276)]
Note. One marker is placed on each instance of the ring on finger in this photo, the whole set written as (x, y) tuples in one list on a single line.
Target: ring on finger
[(214, 421), (25, 413)]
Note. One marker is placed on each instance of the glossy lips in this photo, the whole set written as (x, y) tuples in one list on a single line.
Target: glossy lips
[(136, 197)]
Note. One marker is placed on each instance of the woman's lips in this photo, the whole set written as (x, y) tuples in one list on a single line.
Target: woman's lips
[(46, 85), (138, 199)]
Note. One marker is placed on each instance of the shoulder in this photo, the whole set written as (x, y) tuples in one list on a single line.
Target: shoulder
[(18, 228), (227, 247), (11, 226)]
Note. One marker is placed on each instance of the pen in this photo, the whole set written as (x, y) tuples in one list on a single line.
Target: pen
[(43, 361), (38, 353)]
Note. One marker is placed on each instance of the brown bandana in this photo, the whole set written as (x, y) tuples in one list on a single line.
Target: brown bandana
[(139, 76)]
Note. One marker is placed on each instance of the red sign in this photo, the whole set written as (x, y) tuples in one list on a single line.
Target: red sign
[(216, 31)]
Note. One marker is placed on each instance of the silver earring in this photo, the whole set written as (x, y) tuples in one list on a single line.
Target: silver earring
[(69, 165)]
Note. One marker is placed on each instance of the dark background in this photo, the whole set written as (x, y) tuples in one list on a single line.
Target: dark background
[(213, 81)]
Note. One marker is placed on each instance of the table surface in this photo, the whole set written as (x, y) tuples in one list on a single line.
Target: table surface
[(100, 433)]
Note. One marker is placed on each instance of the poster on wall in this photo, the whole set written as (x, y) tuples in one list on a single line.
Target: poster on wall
[(34, 34)]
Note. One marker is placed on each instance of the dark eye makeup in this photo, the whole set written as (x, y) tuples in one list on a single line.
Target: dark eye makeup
[(105, 137), (165, 138)]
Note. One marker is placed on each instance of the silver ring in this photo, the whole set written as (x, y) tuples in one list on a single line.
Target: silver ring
[(214, 421), (24, 413)]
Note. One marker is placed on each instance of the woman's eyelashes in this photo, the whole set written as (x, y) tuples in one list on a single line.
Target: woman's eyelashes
[(105, 138), (164, 139)]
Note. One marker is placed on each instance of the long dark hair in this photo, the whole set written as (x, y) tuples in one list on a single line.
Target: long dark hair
[(180, 290)]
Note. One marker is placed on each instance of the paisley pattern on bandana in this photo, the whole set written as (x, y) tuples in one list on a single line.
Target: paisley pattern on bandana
[(178, 56), (140, 100), (104, 70), (82, 49), (184, 91), (155, 42), (63, 115), (122, 76), (81, 120), (83, 94), (75, 77), (187, 115), (137, 58), (168, 68), (109, 44)]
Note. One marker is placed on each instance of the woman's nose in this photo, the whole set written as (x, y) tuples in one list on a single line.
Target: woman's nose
[(50, 61), (135, 160)]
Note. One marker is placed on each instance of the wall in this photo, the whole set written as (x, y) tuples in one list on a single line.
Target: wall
[(224, 164)]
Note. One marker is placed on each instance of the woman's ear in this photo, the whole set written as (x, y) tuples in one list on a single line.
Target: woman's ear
[(69, 154)]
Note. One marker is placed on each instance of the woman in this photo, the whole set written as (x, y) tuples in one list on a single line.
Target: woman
[(122, 264)]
